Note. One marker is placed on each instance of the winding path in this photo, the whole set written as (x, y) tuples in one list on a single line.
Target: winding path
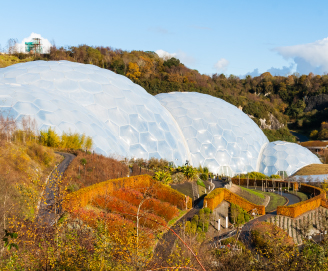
[(47, 210)]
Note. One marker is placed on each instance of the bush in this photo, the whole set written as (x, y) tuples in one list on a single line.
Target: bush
[(207, 210), (203, 176), (193, 227), (195, 219), (188, 227), (238, 215), (206, 226), (178, 178)]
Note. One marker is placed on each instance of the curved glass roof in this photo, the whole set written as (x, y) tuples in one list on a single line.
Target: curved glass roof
[(285, 156), (125, 120), (51, 110), (135, 118), (218, 134)]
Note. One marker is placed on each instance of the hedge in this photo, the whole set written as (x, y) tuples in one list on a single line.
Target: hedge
[(302, 207), (84, 196), (213, 199)]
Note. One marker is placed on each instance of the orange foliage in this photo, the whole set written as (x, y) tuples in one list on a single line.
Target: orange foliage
[(163, 209), (302, 207), (114, 223), (114, 204), (213, 199), (85, 195)]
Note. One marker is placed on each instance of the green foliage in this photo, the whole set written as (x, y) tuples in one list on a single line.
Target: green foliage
[(253, 175), (83, 161), (195, 219), (200, 182), (50, 138), (282, 134), (274, 176), (238, 215), (163, 176), (207, 210), (7, 239), (203, 176), (188, 227), (189, 171), (172, 62), (67, 141)]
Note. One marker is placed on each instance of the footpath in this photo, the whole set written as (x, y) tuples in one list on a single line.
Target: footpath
[(48, 206)]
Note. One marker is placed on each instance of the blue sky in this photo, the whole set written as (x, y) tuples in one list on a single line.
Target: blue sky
[(233, 37)]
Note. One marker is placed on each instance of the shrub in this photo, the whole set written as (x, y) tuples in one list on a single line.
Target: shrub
[(213, 199), (206, 226), (85, 195), (302, 207), (128, 211), (195, 219), (178, 178), (193, 227), (114, 223), (188, 227), (83, 161), (203, 176), (207, 210)]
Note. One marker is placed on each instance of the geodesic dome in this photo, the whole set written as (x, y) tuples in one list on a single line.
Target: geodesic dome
[(219, 135), (138, 122), (51, 110), (285, 156)]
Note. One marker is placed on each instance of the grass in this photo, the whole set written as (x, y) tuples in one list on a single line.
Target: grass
[(314, 169), (200, 182), (303, 196), (184, 188), (275, 201), (253, 192), (250, 195), (201, 190), (7, 60), (181, 214)]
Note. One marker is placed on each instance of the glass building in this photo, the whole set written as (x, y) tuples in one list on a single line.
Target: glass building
[(126, 121)]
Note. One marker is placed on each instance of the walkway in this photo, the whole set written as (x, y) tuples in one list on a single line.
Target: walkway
[(49, 206)]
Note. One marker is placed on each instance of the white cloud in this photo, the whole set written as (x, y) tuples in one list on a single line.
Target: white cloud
[(182, 56), (165, 55), (310, 57), (20, 47), (221, 65)]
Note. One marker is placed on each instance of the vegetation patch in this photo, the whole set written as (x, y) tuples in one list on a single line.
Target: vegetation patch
[(314, 169), (275, 201), (269, 238), (237, 215)]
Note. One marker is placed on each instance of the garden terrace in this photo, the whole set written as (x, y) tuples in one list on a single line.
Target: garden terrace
[(84, 196), (213, 199), (302, 207)]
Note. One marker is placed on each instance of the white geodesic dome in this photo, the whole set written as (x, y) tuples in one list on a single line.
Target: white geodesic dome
[(138, 122), (51, 110), (219, 135), (284, 156)]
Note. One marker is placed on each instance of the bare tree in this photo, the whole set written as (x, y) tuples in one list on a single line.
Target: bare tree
[(11, 46)]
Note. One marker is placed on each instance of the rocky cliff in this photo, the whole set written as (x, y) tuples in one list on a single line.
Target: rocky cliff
[(318, 102)]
